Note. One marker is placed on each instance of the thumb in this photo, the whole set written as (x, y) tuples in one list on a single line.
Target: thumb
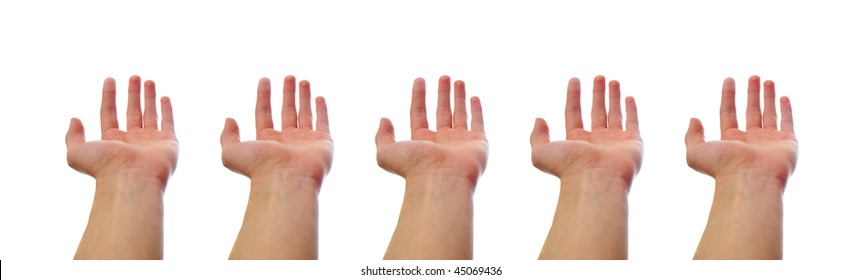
[(388, 155), (695, 134), (693, 139), (75, 134), (230, 134), (385, 133), (540, 133)]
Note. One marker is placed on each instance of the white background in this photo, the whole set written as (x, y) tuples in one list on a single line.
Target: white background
[(516, 56)]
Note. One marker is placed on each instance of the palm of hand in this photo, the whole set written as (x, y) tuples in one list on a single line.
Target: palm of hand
[(450, 149), (616, 151), (454, 149), (607, 150), (763, 150), (308, 151), (143, 149), (148, 150), (296, 150)]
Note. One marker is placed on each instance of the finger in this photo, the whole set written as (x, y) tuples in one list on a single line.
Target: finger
[(150, 115), (230, 134), (75, 134), (263, 112), (614, 116), (573, 115), (322, 115), (305, 117), (459, 118), (166, 115), (133, 112), (727, 106), (599, 114), (288, 107), (695, 134), (443, 104), (477, 115), (418, 111), (109, 106), (754, 114), (769, 110), (386, 137), (385, 133), (786, 123), (540, 133), (693, 139), (633, 122)]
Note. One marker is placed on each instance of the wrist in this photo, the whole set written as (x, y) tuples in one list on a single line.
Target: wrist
[(750, 183), (436, 218), (444, 181), (287, 181), (131, 181), (597, 180)]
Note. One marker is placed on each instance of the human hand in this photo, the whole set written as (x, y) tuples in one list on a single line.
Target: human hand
[(296, 150), (761, 150), (143, 149), (452, 149), (607, 149)]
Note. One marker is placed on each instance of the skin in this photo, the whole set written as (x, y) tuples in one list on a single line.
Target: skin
[(286, 169), (441, 169), (596, 169), (751, 169), (131, 169)]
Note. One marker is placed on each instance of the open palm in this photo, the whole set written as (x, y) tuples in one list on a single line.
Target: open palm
[(143, 148), (607, 147), (762, 149), (451, 148), (297, 149)]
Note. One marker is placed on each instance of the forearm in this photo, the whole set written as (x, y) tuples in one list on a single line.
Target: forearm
[(746, 220), (435, 220), (126, 221), (591, 220), (280, 220)]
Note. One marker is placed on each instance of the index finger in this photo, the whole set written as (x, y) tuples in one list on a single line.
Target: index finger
[(264, 107), (418, 111), (573, 115), (109, 106), (727, 106)]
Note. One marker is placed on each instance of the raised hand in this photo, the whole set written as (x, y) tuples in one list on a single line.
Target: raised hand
[(607, 149), (441, 169), (297, 150), (131, 169), (596, 169), (751, 169), (286, 169), (142, 149), (761, 150), (453, 148)]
